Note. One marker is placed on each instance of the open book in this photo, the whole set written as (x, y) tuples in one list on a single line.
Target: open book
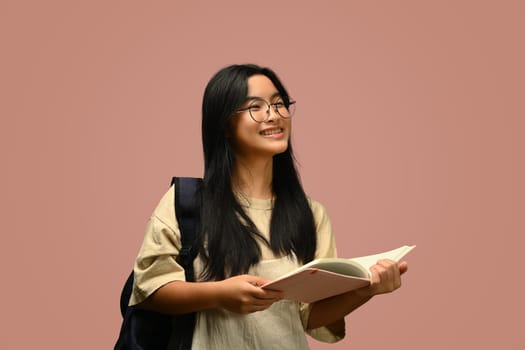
[(323, 278)]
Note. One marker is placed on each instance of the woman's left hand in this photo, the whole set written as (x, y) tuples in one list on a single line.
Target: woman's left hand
[(385, 277)]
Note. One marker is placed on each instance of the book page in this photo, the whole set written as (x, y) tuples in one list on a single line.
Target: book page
[(345, 267), (395, 254)]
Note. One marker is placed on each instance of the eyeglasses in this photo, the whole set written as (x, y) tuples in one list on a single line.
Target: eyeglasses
[(259, 109)]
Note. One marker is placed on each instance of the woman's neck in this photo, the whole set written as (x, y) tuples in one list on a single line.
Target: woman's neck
[(254, 178)]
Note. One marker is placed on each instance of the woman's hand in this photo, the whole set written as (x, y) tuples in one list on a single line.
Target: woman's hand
[(385, 278), (243, 294)]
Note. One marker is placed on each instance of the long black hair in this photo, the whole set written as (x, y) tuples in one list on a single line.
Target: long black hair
[(229, 238)]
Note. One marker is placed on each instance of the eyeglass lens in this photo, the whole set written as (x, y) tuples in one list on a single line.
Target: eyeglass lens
[(260, 109)]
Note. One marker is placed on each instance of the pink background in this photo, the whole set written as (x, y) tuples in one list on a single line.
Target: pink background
[(409, 129)]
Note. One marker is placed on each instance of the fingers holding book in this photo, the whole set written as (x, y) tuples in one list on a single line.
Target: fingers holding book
[(385, 276), (243, 294)]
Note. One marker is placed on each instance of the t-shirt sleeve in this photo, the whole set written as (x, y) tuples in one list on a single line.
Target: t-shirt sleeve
[(156, 263), (326, 248)]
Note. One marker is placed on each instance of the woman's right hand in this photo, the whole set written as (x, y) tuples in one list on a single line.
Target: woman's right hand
[(243, 294)]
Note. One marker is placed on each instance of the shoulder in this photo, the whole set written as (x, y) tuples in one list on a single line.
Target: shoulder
[(320, 214), (165, 209), (326, 247), (318, 210), (315, 205)]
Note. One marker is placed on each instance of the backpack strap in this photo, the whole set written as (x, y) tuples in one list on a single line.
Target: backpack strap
[(187, 211)]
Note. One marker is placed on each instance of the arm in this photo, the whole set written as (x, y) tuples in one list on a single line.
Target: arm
[(239, 294), (330, 312)]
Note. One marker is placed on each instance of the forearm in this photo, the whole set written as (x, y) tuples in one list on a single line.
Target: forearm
[(328, 312), (239, 294), (180, 297)]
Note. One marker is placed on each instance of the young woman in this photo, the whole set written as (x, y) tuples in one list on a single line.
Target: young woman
[(256, 224)]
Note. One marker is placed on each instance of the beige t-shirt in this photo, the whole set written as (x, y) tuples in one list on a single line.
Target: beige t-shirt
[(282, 326)]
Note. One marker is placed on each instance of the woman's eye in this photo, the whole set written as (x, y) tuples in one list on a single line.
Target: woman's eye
[(255, 107), (278, 105)]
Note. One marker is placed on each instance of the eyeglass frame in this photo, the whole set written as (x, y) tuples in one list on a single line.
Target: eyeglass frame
[(290, 102)]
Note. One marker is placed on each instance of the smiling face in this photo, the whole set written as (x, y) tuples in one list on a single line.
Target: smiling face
[(251, 139)]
